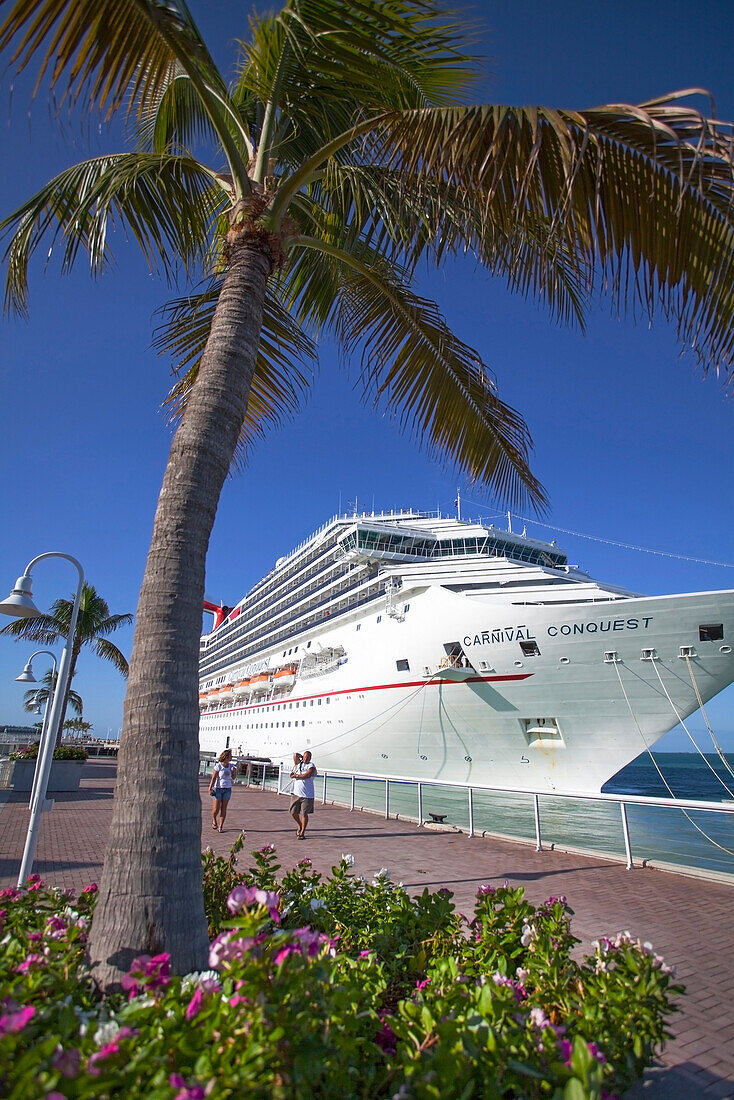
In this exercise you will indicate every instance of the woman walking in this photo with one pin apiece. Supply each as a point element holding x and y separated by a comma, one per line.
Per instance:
<point>220,787</point>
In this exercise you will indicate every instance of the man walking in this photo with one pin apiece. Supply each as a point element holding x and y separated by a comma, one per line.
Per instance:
<point>303,793</point>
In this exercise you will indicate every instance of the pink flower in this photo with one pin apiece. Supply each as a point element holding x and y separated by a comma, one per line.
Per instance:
<point>66,1061</point>
<point>147,972</point>
<point>424,984</point>
<point>243,897</point>
<point>29,962</point>
<point>386,1038</point>
<point>109,1049</point>
<point>91,889</point>
<point>16,1021</point>
<point>566,1049</point>
<point>10,892</point>
<point>194,1006</point>
<point>186,1092</point>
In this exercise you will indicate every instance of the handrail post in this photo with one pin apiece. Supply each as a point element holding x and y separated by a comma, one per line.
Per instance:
<point>323,792</point>
<point>626,831</point>
<point>538,837</point>
<point>387,798</point>
<point>420,803</point>
<point>351,803</point>
<point>471,811</point>
<point>280,773</point>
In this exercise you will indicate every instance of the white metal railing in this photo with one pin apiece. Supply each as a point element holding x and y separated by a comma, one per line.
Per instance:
<point>622,800</point>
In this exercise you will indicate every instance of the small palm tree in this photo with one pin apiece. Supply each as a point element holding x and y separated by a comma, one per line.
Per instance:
<point>94,624</point>
<point>36,697</point>
<point>309,192</point>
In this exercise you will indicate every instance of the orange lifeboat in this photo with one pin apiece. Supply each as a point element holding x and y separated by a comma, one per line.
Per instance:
<point>285,677</point>
<point>241,688</point>
<point>260,682</point>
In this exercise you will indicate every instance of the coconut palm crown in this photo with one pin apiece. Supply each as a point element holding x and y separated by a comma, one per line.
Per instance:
<point>93,626</point>
<point>36,697</point>
<point>306,193</point>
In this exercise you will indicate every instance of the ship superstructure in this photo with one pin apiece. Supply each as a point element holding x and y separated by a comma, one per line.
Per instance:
<point>412,645</point>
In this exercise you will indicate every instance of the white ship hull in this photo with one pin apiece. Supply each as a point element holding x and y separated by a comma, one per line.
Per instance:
<point>551,694</point>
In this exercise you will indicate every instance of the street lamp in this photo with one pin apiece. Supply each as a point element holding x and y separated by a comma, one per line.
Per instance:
<point>27,677</point>
<point>20,604</point>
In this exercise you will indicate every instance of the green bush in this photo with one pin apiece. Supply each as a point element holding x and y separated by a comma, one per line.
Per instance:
<point>61,752</point>
<point>329,987</point>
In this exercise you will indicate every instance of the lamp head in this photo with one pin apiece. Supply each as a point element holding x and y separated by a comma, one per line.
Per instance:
<point>19,603</point>
<point>26,676</point>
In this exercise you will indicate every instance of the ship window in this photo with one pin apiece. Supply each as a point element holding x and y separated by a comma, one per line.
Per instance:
<point>714,632</point>
<point>530,649</point>
<point>379,618</point>
<point>308,646</point>
<point>290,706</point>
<point>359,626</point>
<point>311,703</point>
<point>402,665</point>
<point>328,700</point>
<point>319,702</point>
<point>406,608</point>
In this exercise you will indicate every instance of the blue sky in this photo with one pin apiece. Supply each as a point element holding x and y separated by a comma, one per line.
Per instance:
<point>631,443</point>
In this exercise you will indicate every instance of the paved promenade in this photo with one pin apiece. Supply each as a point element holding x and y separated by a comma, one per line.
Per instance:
<point>688,920</point>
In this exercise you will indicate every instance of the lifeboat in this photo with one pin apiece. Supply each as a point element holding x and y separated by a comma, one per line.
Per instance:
<point>241,688</point>
<point>203,700</point>
<point>260,683</point>
<point>226,693</point>
<point>284,677</point>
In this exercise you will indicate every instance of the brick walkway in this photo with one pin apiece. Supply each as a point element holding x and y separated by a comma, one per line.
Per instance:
<point>688,920</point>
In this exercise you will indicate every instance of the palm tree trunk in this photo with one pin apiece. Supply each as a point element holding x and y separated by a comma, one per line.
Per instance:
<point>150,897</point>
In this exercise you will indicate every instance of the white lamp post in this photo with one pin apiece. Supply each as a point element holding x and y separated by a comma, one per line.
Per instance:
<point>27,677</point>
<point>20,604</point>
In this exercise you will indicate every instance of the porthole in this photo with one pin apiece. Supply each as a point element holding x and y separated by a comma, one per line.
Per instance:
<point>383,755</point>
<point>564,660</point>
<point>517,664</point>
<point>724,649</point>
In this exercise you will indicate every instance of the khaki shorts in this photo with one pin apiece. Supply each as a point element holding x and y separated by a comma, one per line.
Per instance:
<point>301,805</point>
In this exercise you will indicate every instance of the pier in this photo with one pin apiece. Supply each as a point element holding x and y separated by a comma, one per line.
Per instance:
<point>687,919</point>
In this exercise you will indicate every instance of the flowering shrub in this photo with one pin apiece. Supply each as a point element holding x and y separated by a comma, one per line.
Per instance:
<point>61,752</point>
<point>329,987</point>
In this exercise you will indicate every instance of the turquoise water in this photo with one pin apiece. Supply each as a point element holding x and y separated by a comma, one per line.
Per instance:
<point>658,835</point>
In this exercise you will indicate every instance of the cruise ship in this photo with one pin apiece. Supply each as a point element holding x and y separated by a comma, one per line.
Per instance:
<point>424,647</point>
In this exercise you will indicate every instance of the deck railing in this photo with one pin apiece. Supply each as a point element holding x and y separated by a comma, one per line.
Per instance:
<point>257,775</point>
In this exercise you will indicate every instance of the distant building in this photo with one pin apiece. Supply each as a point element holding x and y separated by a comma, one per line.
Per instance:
<point>11,737</point>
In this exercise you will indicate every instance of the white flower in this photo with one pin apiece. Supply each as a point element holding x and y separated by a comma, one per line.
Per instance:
<point>382,875</point>
<point>348,859</point>
<point>317,903</point>
<point>209,979</point>
<point>106,1033</point>
<point>527,935</point>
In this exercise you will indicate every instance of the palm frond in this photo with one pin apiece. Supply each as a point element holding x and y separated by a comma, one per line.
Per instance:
<point>318,65</point>
<point>413,363</point>
<point>406,221</point>
<point>39,628</point>
<point>107,49</point>
<point>109,652</point>
<point>644,196</point>
<point>283,366</point>
<point>168,203</point>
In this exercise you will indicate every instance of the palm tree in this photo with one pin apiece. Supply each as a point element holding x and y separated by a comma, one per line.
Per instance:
<point>94,624</point>
<point>36,697</point>
<point>307,193</point>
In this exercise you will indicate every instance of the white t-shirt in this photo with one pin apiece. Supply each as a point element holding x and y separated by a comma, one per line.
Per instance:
<point>303,788</point>
<point>223,773</point>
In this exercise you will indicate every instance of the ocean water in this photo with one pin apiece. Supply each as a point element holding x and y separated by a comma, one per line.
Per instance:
<point>693,839</point>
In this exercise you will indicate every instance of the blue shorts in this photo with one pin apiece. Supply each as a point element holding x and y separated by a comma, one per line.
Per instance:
<point>222,794</point>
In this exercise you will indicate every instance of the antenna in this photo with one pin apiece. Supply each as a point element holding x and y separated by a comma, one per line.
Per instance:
<point>457,502</point>
<point>509,523</point>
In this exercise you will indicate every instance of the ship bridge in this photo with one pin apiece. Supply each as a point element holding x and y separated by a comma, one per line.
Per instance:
<point>366,541</point>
